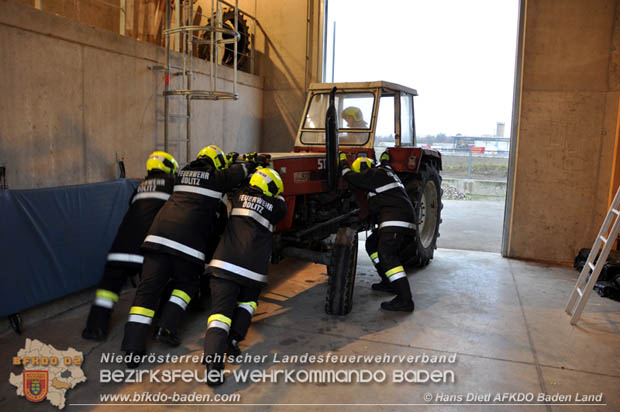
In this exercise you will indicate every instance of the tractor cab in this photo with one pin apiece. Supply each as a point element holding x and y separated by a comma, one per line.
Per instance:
<point>372,116</point>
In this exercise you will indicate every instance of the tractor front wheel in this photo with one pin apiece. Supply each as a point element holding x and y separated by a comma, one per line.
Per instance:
<point>341,272</point>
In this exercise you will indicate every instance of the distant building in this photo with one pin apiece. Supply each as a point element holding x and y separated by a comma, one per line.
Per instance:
<point>500,129</point>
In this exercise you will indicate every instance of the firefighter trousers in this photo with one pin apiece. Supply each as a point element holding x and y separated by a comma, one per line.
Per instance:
<point>156,271</point>
<point>232,308</point>
<point>384,249</point>
<point>107,294</point>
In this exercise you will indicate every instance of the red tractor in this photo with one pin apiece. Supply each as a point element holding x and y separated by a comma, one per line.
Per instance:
<point>324,215</point>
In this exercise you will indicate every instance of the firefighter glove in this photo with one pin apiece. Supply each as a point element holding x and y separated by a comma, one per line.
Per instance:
<point>231,157</point>
<point>263,160</point>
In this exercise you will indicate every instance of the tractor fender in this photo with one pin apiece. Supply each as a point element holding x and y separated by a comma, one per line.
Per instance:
<point>410,159</point>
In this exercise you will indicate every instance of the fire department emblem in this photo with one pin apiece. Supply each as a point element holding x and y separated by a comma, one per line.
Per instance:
<point>35,385</point>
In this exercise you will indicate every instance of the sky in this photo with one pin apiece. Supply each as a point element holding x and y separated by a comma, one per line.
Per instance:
<point>458,54</point>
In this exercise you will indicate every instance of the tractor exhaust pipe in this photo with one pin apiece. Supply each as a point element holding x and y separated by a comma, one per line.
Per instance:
<point>331,141</point>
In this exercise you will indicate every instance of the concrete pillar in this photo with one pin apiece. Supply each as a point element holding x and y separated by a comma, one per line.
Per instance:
<point>569,107</point>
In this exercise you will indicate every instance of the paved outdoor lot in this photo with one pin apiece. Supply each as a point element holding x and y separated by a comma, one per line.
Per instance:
<point>472,225</point>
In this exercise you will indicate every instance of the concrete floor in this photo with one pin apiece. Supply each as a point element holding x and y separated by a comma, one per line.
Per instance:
<point>504,319</point>
<point>472,225</point>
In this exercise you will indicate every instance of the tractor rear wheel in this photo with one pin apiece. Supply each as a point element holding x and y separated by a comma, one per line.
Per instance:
<point>341,272</point>
<point>425,193</point>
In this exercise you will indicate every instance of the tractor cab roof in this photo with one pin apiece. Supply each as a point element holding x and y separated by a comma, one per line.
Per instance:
<point>379,84</point>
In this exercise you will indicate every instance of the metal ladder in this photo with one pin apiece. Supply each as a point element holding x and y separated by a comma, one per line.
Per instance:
<point>591,271</point>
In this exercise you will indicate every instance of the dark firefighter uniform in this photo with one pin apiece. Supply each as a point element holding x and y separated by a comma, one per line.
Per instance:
<point>203,294</point>
<point>125,258</point>
<point>176,246</point>
<point>240,263</point>
<point>391,207</point>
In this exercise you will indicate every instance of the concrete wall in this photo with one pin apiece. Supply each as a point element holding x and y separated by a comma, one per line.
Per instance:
<point>101,14</point>
<point>75,99</point>
<point>567,122</point>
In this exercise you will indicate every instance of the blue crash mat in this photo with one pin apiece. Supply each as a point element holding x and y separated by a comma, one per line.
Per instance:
<point>54,241</point>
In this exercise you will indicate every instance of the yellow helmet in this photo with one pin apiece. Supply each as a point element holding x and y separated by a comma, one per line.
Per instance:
<point>385,157</point>
<point>162,161</point>
<point>267,180</point>
<point>354,112</point>
<point>217,156</point>
<point>361,163</point>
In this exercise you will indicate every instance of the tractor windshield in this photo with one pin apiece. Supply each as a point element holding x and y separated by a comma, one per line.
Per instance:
<point>354,110</point>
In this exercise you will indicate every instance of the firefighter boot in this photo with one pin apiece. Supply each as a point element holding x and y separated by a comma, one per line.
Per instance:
<point>403,302</point>
<point>241,321</point>
<point>383,286</point>
<point>233,347</point>
<point>97,323</point>
<point>167,337</point>
<point>134,343</point>
<point>171,317</point>
<point>133,359</point>
<point>215,374</point>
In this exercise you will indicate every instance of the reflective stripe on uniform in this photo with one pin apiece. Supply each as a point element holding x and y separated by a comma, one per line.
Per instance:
<point>182,295</point>
<point>398,223</point>
<point>219,321</point>
<point>389,186</point>
<point>198,190</point>
<point>395,273</point>
<point>151,195</point>
<point>180,298</point>
<point>105,298</point>
<point>140,319</point>
<point>175,245</point>
<point>178,301</point>
<point>142,315</point>
<point>125,257</point>
<point>249,306</point>
<point>104,303</point>
<point>106,294</point>
<point>375,257</point>
<point>345,171</point>
<point>139,310</point>
<point>254,215</point>
<point>238,270</point>
<point>397,276</point>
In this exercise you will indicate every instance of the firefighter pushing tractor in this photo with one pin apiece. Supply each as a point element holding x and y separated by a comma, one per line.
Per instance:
<point>354,168</point>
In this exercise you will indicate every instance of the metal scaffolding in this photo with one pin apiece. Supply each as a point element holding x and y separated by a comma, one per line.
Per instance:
<point>183,38</point>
